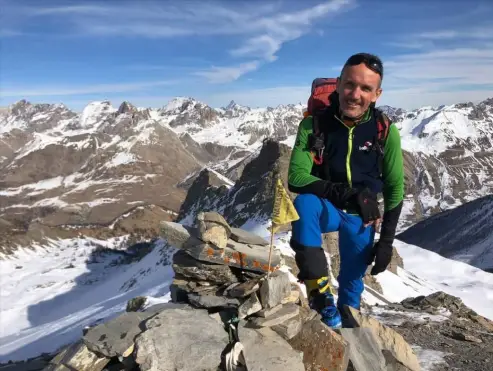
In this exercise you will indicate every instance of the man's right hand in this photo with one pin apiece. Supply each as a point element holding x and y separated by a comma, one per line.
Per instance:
<point>367,204</point>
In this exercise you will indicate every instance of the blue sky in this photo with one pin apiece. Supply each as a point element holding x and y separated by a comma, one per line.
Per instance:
<point>257,53</point>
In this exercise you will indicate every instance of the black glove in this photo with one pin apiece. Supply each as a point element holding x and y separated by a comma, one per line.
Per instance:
<point>367,205</point>
<point>382,251</point>
<point>339,194</point>
<point>382,254</point>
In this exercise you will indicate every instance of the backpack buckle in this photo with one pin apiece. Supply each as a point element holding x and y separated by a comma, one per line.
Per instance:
<point>316,144</point>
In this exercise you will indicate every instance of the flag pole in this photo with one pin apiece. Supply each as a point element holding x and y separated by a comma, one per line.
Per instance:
<point>271,245</point>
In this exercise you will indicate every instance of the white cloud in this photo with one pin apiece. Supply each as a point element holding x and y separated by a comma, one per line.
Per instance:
<point>274,30</point>
<point>92,89</point>
<point>474,33</point>
<point>227,74</point>
<point>263,28</point>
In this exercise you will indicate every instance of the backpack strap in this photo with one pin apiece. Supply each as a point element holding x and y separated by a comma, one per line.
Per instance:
<point>316,141</point>
<point>383,127</point>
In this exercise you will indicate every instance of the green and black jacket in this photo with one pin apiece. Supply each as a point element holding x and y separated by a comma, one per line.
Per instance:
<point>350,158</point>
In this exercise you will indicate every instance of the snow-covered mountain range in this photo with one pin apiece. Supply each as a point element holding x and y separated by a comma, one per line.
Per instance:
<point>79,188</point>
<point>64,170</point>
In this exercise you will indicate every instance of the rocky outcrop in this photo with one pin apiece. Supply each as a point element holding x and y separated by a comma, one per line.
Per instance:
<point>252,193</point>
<point>229,310</point>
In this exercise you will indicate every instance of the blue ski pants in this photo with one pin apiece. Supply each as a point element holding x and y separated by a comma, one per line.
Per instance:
<point>317,216</point>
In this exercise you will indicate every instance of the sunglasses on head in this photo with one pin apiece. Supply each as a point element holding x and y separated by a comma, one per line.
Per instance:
<point>371,62</point>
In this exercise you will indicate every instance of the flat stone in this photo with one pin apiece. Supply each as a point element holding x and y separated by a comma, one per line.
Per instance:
<point>246,237</point>
<point>212,301</point>
<point>275,289</point>
<point>77,357</point>
<point>176,234</point>
<point>323,348</point>
<point>387,338</point>
<point>243,289</point>
<point>214,234</point>
<point>287,312</point>
<point>289,328</point>
<point>269,311</point>
<point>188,266</point>
<point>294,297</point>
<point>235,254</point>
<point>265,350</point>
<point>113,338</point>
<point>180,339</point>
<point>250,306</point>
<point>364,352</point>
<point>213,217</point>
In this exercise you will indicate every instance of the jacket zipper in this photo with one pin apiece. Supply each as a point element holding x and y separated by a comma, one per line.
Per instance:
<point>348,157</point>
<point>349,151</point>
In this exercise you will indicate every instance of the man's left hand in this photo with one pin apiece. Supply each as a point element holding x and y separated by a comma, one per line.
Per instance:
<point>382,254</point>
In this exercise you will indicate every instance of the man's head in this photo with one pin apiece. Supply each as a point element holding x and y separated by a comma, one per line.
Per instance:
<point>359,84</point>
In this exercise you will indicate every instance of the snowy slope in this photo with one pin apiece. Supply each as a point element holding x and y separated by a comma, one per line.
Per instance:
<point>49,295</point>
<point>464,233</point>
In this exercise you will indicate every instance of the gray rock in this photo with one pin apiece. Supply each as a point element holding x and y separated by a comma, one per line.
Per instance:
<point>364,352</point>
<point>176,234</point>
<point>180,339</point>
<point>212,301</point>
<point>274,289</point>
<point>323,348</point>
<point>187,266</point>
<point>243,289</point>
<point>133,305</point>
<point>213,217</point>
<point>391,363</point>
<point>213,228</point>
<point>235,254</point>
<point>287,312</point>
<point>116,336</point>
<point>250,306</point>
<point>265,350</point>
<point>179,291</point>
<point>289,328</point>
<point>77,357</point>
<point>269,311</point>
<point>215,234</point>
<point>242,236</point>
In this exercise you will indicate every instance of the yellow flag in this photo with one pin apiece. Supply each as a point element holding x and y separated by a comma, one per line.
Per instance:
<point>284,211</point>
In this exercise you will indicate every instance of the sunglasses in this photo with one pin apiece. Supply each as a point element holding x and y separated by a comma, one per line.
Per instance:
<point>371,62</point>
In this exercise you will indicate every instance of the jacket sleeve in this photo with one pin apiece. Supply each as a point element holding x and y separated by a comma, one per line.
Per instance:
<point>393,188</point>
<point>300,179</point>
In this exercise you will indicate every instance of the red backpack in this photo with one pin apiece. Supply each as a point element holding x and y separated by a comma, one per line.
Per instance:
<point>322,92</point>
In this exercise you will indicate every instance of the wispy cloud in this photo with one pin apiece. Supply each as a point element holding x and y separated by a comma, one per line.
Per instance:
<point>439,76</point>
<point>9,33</point>
<point>227,74</point>
<point>92,89</point>
<point>262,28</point>
<point>475,33</point>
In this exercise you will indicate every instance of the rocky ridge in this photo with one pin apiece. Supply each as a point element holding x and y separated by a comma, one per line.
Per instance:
<point>229,313</point>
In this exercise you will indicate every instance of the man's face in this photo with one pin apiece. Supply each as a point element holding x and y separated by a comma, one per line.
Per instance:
<point>358,87</point>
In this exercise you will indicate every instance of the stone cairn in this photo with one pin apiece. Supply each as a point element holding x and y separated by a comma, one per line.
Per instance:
<point>225,268</point>
<point>229,311</point>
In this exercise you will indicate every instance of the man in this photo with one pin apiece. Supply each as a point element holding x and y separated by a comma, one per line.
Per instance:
<point>341,193</point>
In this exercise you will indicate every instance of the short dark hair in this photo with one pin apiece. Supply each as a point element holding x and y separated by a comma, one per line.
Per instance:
<point>371,61</point>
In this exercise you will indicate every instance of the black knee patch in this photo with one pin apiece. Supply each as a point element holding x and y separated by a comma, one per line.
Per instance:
<point>311,261</point>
